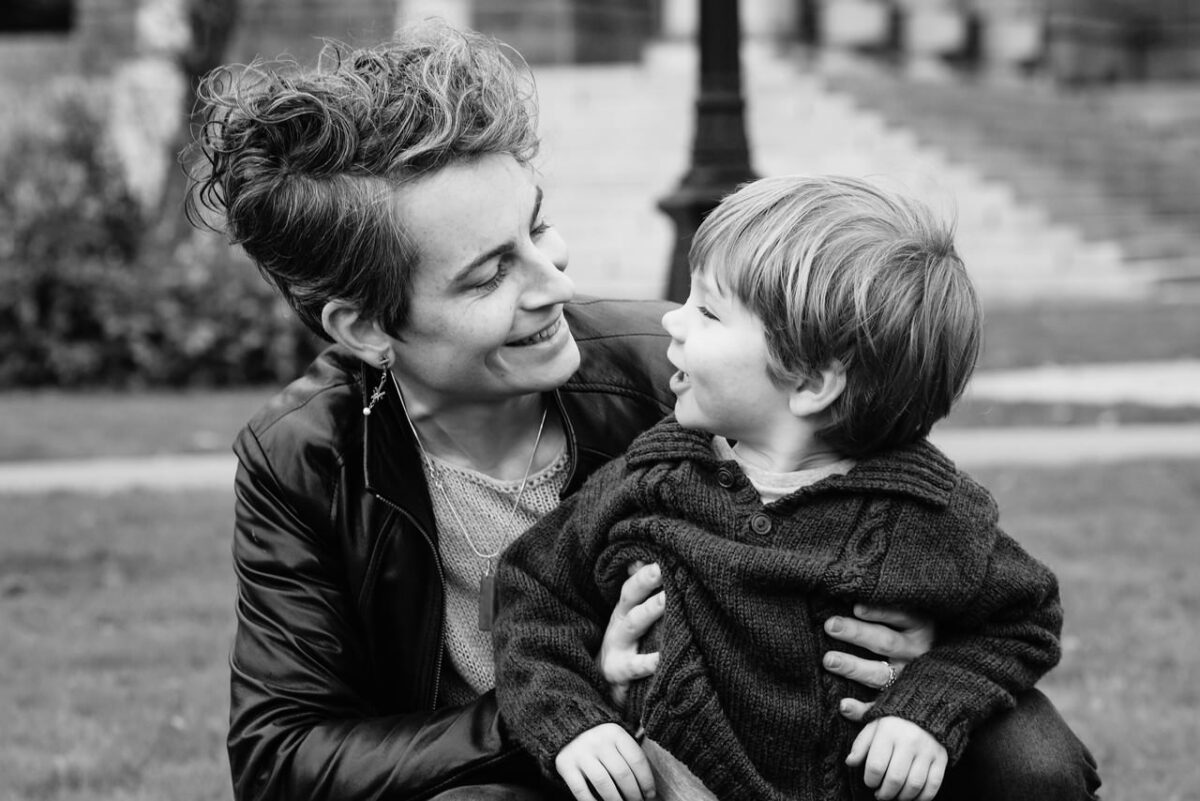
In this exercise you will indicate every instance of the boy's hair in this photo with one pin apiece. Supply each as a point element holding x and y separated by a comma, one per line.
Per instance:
<point>302,165</point>
<point>840,271</point>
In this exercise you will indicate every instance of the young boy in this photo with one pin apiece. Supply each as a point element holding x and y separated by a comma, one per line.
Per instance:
<point>829,326</point>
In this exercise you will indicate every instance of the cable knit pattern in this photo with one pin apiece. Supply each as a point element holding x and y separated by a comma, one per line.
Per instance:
<point>740,696</point>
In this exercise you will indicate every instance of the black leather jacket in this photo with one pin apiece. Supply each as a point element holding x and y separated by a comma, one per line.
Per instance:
<point>337,660</point>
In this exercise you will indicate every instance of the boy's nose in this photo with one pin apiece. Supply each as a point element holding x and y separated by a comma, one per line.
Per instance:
<point>670,322</point>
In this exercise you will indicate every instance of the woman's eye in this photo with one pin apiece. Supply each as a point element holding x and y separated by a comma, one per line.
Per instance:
<point>539,229</point>
<point>497,277</point>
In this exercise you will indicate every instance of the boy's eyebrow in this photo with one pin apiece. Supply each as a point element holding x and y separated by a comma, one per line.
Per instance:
<point>503,247</point>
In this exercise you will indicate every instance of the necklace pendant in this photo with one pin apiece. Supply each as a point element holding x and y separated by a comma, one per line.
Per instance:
<point>489,602</point>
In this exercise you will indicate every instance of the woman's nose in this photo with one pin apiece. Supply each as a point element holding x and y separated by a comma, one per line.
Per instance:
<point>550,283</point>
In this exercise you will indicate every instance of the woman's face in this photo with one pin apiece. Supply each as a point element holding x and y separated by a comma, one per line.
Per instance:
<point>486,320</point>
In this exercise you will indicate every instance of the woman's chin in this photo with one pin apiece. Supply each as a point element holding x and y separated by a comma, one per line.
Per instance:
<point>545,365</point>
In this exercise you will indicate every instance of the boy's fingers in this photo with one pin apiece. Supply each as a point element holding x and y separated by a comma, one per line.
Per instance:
<point>894,780</point>
<point>601,782</point>
<point>918,774</point>
<point>876,765</point>
<point>933,783</point>
<point>577,785</point>
<point>639,767</point>
<point>858,750</point>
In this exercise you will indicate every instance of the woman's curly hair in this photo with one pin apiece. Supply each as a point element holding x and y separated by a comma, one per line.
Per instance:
<point>299,167</point>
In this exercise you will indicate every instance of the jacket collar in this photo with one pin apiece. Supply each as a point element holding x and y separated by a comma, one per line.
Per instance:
<point>918,470</point>
<point>392,466</point>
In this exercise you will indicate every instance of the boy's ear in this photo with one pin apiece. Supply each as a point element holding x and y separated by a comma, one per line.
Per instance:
<point>364,338</point>
<point>814,394</point>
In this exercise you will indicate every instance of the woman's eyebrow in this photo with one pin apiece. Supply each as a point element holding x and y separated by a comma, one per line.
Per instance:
<point>503,247</point>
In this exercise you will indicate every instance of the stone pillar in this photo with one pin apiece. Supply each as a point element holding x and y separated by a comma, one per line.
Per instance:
<point>847,26</point>
<point>1013,36</point>
<point>930,31</point>
<point>459,13</point>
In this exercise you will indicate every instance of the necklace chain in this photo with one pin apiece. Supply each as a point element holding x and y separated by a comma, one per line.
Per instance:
<point>437,479</point>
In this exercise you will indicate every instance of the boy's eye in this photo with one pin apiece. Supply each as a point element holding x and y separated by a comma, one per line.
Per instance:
<point>705,312</point>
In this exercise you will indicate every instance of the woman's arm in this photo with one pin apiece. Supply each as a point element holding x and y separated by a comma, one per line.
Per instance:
<point>307,719</point>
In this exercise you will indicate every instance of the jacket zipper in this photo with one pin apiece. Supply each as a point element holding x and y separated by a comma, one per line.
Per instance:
<point>437,664</point>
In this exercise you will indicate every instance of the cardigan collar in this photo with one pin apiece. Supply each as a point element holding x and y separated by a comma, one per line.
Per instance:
<point>919,469</point>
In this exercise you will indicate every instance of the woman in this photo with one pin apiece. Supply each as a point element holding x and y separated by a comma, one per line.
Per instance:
<point>391,199</point>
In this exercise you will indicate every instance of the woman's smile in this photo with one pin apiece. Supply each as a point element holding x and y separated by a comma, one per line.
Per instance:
<point>540,336</point>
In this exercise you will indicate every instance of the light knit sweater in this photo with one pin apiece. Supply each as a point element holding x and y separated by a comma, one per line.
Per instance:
<point>740,696</point>
<point>463,497</point>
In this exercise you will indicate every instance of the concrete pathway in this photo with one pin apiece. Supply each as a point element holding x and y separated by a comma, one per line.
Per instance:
<point>1174,383</point>
<point>1161,384</point>
<point>971,448</point>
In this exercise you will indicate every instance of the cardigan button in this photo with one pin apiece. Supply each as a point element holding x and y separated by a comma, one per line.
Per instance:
<point>725,477</point>
<point>760,524</point>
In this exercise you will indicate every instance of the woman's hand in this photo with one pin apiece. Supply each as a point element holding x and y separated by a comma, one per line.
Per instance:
<point>897,637</point>
<point>640,606</point>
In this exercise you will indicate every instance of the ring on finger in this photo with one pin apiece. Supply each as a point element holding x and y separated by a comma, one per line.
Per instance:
<point>892,674</point>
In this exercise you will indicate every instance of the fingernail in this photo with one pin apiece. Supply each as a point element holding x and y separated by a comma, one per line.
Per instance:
<point>844,706</point>
<point>832,662</point>
<point>653,571</point>
<point>834,625</point>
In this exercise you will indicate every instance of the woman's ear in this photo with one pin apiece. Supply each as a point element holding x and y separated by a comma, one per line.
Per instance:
<point>362,337</point>
<point>815,393</point>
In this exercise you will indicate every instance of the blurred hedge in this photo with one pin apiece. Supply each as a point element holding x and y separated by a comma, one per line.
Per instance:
<point>83,303</point>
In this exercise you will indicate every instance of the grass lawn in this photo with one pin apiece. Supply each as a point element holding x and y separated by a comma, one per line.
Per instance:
<point>47,425</point>
<point>117,613</point>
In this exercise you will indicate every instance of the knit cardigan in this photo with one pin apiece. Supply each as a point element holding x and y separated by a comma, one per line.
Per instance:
<point>740,695</point>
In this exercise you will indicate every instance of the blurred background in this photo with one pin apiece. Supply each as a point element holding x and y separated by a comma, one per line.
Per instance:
<point>1063,134</point>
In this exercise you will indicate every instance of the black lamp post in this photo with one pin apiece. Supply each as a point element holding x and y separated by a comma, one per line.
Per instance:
<point>720,154</point>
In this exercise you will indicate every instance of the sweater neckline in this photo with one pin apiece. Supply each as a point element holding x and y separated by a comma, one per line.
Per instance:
<point>918,470</point>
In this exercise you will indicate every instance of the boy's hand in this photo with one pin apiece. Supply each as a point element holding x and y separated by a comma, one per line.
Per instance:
<point>902,760</point>
<point>607,759</point>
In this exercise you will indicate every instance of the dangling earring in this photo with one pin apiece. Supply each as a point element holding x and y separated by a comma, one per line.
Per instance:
<point>378,394</point>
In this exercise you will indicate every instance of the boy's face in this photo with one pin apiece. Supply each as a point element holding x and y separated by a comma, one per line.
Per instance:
<point>720,350</point>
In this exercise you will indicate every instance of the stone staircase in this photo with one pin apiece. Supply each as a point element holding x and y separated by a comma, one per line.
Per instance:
<point>617,139</point>
<point>1104,174</point>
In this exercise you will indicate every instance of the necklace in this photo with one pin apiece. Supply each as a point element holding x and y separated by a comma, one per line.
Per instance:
<point>489,602</point>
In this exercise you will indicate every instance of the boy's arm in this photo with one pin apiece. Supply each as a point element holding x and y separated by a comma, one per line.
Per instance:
<point>999,643</point>
<point>550,625</point>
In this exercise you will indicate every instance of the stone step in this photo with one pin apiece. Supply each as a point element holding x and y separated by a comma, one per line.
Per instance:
<point>617,140</point>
